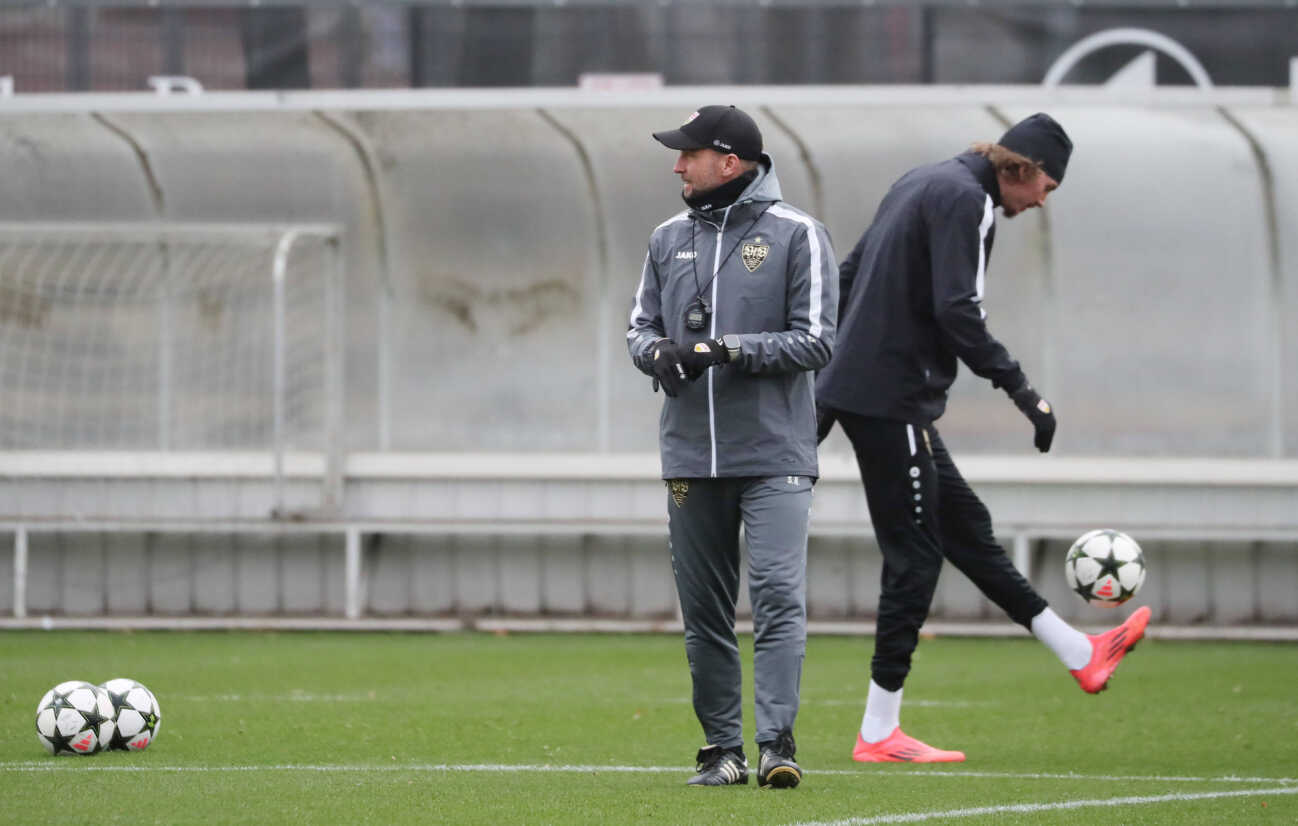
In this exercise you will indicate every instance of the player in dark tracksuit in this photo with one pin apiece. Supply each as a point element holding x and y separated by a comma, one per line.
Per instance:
<point>911,294</point>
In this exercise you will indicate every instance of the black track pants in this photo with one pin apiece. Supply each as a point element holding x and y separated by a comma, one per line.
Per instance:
<point>923,511</point>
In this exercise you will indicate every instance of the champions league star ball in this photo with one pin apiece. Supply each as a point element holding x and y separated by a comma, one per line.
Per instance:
<point>75,717</point>
<point>1105,567</point>
<point>136,714</point>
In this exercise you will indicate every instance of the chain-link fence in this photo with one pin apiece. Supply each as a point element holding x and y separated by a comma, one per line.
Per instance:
<point>89,47</point>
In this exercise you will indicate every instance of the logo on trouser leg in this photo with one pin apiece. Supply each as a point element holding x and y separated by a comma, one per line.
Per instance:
<point>919,497</point>
<point>680,489</point>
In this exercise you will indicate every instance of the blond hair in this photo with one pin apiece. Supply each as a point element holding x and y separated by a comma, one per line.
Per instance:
<point>1017,168</point>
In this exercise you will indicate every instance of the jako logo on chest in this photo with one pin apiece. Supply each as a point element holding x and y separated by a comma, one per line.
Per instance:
<point>686,255</point>
<point>753,253</point>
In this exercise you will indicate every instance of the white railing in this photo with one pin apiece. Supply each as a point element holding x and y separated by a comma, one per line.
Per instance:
<point>1031,498</point>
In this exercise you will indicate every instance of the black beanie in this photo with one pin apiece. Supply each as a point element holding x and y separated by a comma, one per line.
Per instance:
<point>1041,138</point>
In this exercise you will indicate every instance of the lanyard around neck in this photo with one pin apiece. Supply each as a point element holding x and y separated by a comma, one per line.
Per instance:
<point>694,258</point>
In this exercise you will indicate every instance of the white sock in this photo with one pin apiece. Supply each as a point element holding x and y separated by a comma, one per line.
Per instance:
<point>1072,647</point>
<point>882,713</point>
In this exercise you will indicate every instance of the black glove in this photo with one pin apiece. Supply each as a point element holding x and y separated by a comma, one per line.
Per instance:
<point>824,423</point>
<point>703,355</point>
<point>1039,412</point>
<point>668,370</point>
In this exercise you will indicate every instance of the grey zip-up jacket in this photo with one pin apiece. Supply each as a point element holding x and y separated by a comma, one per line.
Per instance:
<point>768,272</point>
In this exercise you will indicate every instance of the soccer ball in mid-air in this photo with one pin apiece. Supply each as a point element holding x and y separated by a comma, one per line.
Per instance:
<point>1105,567</point>
<point>75,717</point>
<point>136,714</point>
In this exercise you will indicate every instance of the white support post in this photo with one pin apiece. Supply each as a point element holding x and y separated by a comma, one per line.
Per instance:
<point>352,575</point>
<point>20,572</point>
<point>166,349</point>
<point>279,270</point>
<point>1023,554</point>
<point>1293,80</point>
<point>386,332</point>
<point>335,359</point>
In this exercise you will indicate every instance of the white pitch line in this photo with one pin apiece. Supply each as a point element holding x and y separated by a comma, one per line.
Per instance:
<point>1031,808</point>
<point>291,697</point>
<point>57,764</point>
<point>909,703</point>
<point>366,697</point>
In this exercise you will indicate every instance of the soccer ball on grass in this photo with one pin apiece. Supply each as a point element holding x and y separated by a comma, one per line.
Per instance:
<point>75,717</point>
<point>136,714</point>
<point>1105,567</point>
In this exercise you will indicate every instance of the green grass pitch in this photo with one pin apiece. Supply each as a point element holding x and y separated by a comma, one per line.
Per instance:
<point>354,728</point>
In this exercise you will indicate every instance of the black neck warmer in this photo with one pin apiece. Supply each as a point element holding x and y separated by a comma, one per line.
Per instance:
<point>722,196</point>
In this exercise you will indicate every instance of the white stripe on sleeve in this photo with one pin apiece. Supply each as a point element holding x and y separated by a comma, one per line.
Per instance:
<point>813,244</point>
<point>638,309</point>
<point>983,228</point>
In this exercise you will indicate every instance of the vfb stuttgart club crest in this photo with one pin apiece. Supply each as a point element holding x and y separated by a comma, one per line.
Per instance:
<point>680,489</point>
<point>753,253</point>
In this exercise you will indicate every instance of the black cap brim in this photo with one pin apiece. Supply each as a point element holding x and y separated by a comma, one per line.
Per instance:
<point>676,139</point>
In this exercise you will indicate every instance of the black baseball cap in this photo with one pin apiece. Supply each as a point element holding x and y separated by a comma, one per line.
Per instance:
<point>724,128</point>
<point>1041,138</point>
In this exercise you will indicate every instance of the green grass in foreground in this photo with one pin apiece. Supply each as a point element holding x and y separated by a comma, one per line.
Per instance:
<point>346,728</point>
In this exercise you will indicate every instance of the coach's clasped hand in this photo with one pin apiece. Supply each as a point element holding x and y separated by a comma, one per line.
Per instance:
<point>675,365</point>
<point>1039,412</point>
<point>668,370</point>
<point>703,355</point>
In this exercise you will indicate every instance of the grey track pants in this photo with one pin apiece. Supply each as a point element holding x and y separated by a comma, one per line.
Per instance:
<point>704,516</point>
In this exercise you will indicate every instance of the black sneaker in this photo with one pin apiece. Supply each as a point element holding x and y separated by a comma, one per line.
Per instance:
<point>776,769</point>
<point>720,767</point>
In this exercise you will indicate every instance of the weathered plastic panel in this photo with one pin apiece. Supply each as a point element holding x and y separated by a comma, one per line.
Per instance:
<point>494,277</point>
<point>1220,583</point>
<point>516,239</point>
<point>1276,133</point>
<point>276,168</point>
<point>1159,344</point>
<point>69,167</point>
<point>552,575</point>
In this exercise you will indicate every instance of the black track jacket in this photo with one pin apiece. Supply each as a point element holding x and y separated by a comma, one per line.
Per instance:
<point>910,297</point>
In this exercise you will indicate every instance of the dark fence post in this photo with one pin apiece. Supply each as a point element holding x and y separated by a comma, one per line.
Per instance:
<point>275,48</point>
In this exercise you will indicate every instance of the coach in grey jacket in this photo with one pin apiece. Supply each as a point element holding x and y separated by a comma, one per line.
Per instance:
<point>735,310</point>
